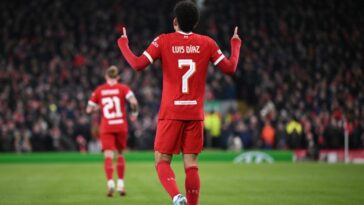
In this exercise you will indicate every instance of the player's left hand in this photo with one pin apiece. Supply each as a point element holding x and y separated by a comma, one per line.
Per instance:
<point>235,36</point>
<point>124,33</point>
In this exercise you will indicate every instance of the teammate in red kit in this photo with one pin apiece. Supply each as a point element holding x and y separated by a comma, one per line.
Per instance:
<point>185,57</point>
<point>110,99</point>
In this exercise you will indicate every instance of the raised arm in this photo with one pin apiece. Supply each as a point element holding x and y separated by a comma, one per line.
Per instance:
<point>136,62</point>
<point>228,66</point>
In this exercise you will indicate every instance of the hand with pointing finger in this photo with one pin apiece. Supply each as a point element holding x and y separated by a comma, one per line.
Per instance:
<point>124,33</point>
<point>235,36</point>
<point>123,38</point>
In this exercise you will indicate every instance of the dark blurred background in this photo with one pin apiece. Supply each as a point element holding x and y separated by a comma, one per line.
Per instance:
<point>299,81</point>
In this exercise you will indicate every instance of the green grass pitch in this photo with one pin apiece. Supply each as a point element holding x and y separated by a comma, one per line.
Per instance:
<point>222,183</point>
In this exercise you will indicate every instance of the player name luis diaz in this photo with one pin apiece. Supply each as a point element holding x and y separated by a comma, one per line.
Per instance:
<point>186,49</point>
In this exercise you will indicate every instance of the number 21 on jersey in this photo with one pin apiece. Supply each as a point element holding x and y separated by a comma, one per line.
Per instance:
<point>109,103</point>
<point>192,69</point>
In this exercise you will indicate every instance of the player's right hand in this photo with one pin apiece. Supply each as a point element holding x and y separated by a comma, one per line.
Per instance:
<point>235,36</point>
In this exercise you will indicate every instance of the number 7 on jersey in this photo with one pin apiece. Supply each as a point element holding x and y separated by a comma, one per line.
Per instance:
<point>192,68</point>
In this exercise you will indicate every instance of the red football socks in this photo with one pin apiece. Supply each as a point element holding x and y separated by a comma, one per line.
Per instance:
<point>120,167</point>
<point>167,178</point>
<point>108,168</point>
<point>192,185</point>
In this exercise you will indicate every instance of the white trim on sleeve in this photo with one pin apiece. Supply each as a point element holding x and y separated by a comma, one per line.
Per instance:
<point>129,94</point>
<point>91,103</point>
<point>219,59</point>
<point>148,56</point>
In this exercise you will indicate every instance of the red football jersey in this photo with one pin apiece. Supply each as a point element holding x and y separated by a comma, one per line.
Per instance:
<point>185,58</point>
<point>111,100</point>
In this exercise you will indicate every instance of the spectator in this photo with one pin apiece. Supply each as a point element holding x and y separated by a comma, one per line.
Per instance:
<point>213,127</point>
<point>245,134</point>
<point>293,64</point>
<point>268,135</point>
<point>294,134</point>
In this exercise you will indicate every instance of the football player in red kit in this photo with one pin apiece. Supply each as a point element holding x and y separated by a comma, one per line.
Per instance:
<point>110,99</point>
<point>185,57</point>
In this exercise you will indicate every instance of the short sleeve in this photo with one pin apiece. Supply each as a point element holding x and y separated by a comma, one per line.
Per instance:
<point>94,99</point>
<point>216,54</point>
<point>153,52</point>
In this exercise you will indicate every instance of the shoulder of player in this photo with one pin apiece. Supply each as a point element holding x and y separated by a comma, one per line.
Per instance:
<point>123,87</point>
<point>96,91</point>
<point>103,86</point>
<point>99,88</point>
<point>206,38</point>
<point>160,37</point>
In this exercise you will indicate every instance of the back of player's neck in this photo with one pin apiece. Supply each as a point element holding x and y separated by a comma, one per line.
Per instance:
<point>111,83</point>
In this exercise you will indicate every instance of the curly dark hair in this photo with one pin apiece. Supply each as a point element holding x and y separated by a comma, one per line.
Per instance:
<point>187,15</point>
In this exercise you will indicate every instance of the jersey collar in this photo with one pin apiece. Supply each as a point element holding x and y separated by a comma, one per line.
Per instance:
<point>184,33</point>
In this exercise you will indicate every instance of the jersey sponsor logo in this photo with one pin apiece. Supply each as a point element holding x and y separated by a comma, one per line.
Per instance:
<point>110,92</point>
<point>186,49</point>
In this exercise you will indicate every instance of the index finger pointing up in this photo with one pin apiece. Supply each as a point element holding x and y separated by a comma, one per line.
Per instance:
<point>124,31</point>
<point>236,30</point>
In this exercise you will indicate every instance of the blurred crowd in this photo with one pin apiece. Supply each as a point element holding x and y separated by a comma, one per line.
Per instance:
<point>300,72</point>
<point>301,69</point>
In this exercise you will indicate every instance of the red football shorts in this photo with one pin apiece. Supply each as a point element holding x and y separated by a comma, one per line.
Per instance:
<point>114,140</point>
<point>175,136</point>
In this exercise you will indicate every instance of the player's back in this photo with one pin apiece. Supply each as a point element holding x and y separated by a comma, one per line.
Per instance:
<point>111,99</point>
<point>185,58</point>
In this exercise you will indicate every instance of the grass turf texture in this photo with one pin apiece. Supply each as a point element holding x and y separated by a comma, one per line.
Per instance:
<point>222,183</point>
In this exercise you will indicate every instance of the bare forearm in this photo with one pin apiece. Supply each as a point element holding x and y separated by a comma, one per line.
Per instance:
<point>134,109</point>
<point>91,109</point>
<point>134,106</point>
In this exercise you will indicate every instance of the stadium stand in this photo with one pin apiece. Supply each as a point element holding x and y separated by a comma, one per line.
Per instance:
<point>301,70</point>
